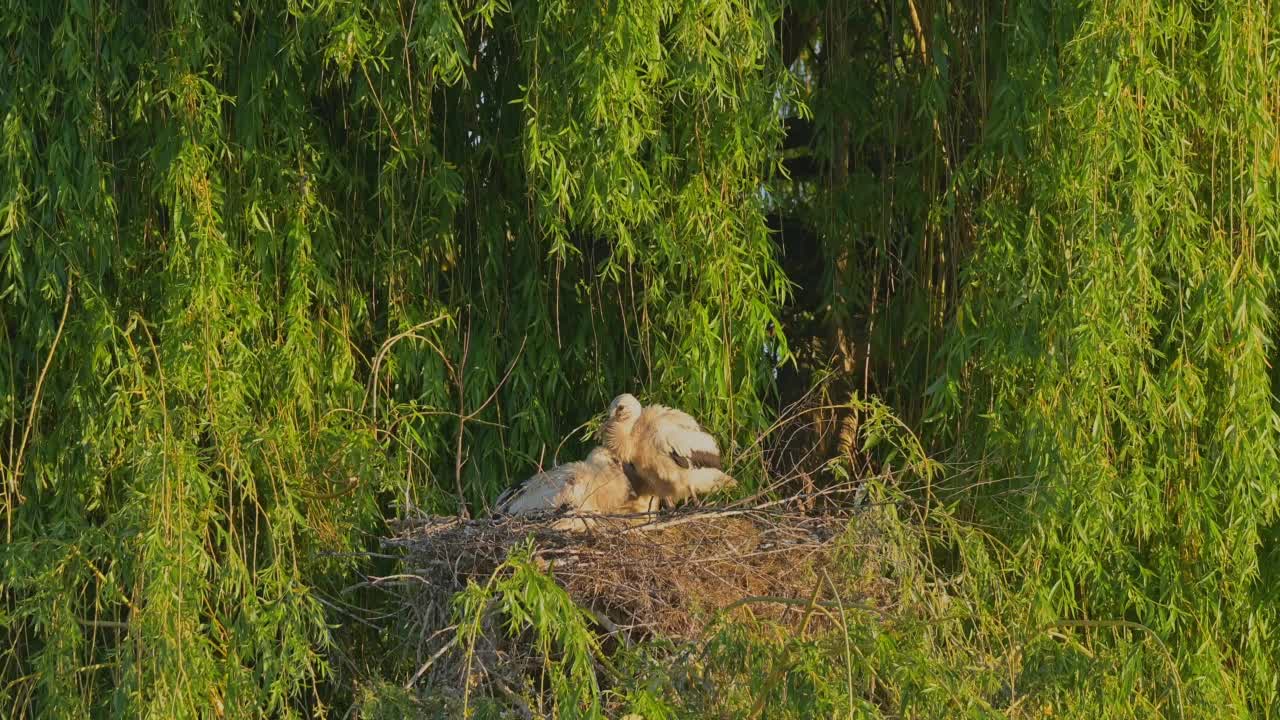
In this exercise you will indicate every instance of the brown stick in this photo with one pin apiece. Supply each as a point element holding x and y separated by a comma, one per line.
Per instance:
<point>16,470</point>
<point>431,661</point>
<point>462,421</point>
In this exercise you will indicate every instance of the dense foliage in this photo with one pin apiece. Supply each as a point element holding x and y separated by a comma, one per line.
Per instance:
<point>1137,238</point>
<point>273,272</point>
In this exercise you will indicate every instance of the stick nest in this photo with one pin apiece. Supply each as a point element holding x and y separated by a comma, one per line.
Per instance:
<point>641,575</point>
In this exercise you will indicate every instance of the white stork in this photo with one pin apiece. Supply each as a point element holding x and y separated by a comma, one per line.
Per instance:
<point>598,485</point>
<point>674,458</point>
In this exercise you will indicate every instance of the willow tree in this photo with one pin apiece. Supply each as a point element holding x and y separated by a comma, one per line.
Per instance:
<point>1049,234</point>
<point>274,271</point>
<point>1118,328</point>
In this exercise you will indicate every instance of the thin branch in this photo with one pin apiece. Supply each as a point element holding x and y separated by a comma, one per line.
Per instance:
<point>431,661</point>
<point>461,381</point>
<point>16,470</point>
<point>1131,625</point>
<point>104,624</point>
<point>386,347</point>
<point>505,377</point>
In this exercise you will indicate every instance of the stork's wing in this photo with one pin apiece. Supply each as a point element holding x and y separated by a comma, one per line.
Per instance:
<point>544,491</point>
<point>505,496</point>
<point>679,436</point>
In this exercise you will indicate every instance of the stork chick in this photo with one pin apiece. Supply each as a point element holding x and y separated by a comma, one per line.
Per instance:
<point>598,485</point>
<point>673,456</point>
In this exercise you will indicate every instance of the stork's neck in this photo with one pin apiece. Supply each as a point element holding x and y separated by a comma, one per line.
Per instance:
<point>617,437</point>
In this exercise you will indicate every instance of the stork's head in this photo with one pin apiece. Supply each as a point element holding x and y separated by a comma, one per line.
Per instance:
<point>616,430</point>
<point>624,407</point>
